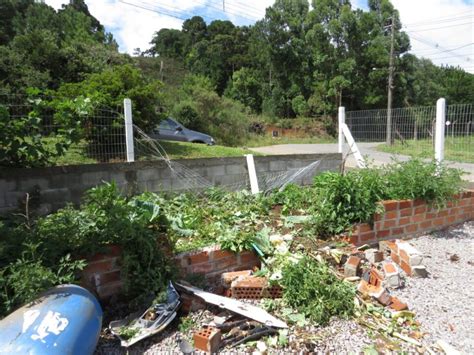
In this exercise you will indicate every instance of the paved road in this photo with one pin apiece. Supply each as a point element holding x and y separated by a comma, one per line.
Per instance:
<point>366,149</point>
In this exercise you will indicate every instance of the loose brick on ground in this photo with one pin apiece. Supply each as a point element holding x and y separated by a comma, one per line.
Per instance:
<point>351,266</point>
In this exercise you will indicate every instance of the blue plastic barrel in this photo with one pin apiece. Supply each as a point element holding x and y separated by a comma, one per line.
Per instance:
<point>64,320</point>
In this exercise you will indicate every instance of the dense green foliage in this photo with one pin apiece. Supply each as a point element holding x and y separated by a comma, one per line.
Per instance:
<point>200,108</point>
<point>337,201</point>
<point>315,291</point>
<point>35,257</point>
<point>42,48</point>
<point>38,253</point>
<point>22,143</point>
<point>298,61</point>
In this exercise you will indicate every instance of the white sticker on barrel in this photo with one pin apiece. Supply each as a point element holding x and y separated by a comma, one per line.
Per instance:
<point>52,323</point>
<point>29,318</point>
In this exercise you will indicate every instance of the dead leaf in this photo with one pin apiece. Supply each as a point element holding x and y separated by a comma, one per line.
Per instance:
<point>451,327</point>
<point>454,258</point>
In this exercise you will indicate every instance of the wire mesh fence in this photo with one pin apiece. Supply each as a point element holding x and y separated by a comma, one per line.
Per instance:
<point>44,131</point>
<point>412,131</point>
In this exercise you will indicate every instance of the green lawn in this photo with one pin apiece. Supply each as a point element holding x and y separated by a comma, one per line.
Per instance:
<point>261,141</point>
<point>181,150</point>
<point>76,154</point>
<point>459,149</point>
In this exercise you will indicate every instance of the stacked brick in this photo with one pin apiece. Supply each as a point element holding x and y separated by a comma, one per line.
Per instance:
<point>212,262</point>
<point>102,274</point>
<point>407,257</point>
<point>411,217</point>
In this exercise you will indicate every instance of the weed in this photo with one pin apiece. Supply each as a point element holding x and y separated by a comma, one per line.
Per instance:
<point>315,292</point>
<point>185,324</point>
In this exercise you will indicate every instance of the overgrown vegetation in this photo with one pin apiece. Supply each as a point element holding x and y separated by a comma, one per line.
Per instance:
<point>337,201</point>
<point>38,253</point>
<point>39,258</point>
<point>313,290</point>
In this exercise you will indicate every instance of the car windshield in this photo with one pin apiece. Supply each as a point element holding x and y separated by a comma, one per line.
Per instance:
<point>168,124</point>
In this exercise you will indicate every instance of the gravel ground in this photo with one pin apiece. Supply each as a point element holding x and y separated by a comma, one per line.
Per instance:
<point>338,337</point>
<point>444,302</point>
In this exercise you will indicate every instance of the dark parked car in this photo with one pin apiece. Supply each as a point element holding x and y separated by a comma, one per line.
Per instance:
<point>170,130</point>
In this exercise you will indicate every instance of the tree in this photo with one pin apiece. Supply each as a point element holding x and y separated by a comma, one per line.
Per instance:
<point>246,87</point>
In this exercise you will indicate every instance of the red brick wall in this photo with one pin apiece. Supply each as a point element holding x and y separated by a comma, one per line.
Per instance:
<point>406,218</point>
<point>102,274</point>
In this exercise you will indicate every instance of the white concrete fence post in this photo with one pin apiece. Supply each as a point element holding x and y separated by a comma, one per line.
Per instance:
<point>252,174</point>
<point>127,110</point>
<point>341,119</point>
<point>439,130</point>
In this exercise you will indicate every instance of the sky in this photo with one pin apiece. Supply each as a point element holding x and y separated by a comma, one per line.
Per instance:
<point>441,30</point>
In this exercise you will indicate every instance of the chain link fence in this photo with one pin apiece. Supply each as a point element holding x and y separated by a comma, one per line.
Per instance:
<point>413,131</point>
<point>45,131</point>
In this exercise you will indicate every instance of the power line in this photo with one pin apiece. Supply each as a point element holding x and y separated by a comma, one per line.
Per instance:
<point>170,11</point>
<point>255,14</point>
<point>450,50</point>
<point>439,28</point>
<point>152,10</point>
<point>438,18</point>
<point>455,19</point>
<point>434,51</point>
<point>435,45</point>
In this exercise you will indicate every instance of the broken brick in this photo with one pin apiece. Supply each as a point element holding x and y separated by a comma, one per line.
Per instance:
<point>380,294</point>
<point>375,278</point>
<point>373,255</point>
<point>406,268</point>
<point>397,305</point>
<point>408,253</point>
<point>191,303</point>
<point>388,245</point>
<point>207,339</point>
<point>351,267</point>
<point>392,276</point>
<point>395,257</point>
<point>362,287</point>
<point>253,287</point>
<point>228,277</point>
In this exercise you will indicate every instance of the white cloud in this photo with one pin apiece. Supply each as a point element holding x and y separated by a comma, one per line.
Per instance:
<point>134,27</point>
<point>437,27</point>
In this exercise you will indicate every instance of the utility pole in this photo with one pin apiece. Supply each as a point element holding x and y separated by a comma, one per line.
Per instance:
<point>390,84</point>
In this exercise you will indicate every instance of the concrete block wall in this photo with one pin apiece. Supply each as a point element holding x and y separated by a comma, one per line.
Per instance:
<point>408,218</point>
<point>102,275</point>
<point>51,188</point>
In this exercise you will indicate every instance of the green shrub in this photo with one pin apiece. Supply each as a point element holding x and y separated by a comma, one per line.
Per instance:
<point>22,280</point>
<point>22,143</point>
<point>342,200</point>
<point>415,179</point>
<point>224,119</point>
<point>105,217</point>
<point>312,289</point>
